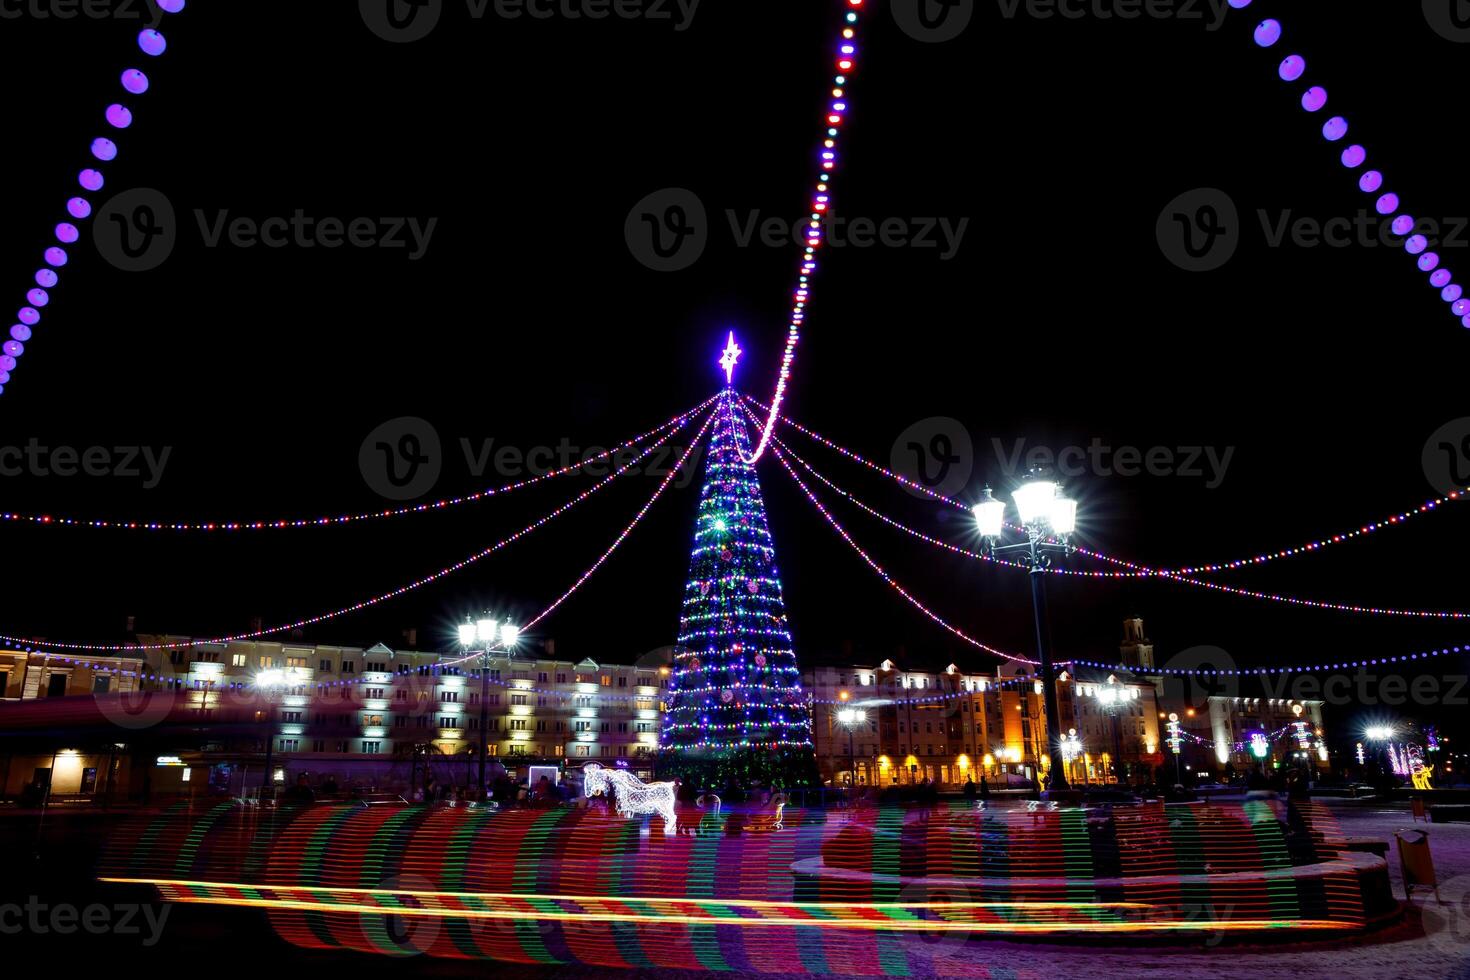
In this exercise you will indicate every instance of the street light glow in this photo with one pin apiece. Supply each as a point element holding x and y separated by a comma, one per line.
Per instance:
<point>1034,501</point>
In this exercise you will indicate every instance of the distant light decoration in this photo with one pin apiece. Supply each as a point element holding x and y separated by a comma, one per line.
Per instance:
<point>1175,739</point>
<point>53,520</point>
<point>1358,751</point>
<point>837,111</point>
<point>442,573</point>
<point>1291,69</point>
<point>1137,570</point>
<point>104,150</point>
<point>1407,658</point>
<point>1259,747</point>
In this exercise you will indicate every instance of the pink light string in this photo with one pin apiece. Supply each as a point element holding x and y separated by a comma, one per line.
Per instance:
<point>1138,570</point>
<point>1232,590</point>
<point>889,579</point>
<point>821,205</point>
<point>134,525</point>
<point>395,593</point>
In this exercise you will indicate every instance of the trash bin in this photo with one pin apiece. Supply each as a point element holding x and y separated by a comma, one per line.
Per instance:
<point>1415,861</point>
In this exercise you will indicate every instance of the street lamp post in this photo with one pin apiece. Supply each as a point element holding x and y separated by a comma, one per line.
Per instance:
<point>1112,697</point>
<point>1048,518</point>
<point>267,682</point>
<point>851,718</point>
<point>485,633</point>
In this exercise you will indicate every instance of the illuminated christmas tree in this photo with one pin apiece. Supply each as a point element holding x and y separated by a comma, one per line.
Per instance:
<point>737,711</point>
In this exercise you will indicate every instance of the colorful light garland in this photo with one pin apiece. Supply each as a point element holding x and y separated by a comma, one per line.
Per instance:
<point>51,520</point>
<point>881,573</point>
<point>1293,68</point>
<point>1139,570</point>
<point>1407,658</point>
<point>1169,576</point>
<point>78,208</point>
<point>846,63</point>
<point>395,593</point>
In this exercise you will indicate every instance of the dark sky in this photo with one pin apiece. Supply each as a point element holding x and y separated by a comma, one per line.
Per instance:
<point>1060,320</point>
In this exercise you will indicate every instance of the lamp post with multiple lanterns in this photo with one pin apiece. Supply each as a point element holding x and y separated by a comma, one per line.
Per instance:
<point>486,633</point>
<point>1048,518</point>
<point>851,719</point>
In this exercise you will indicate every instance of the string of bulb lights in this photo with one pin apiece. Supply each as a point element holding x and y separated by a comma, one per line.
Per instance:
<point>1196,583</point>
<point>395,593</point>
<point>445,503</point>
<point>821,205</point>
<point>119,116</point>
<point>1135,569</point>
<point>1293,68</point>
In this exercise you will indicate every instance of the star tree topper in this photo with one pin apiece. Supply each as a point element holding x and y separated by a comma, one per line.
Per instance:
<point>728,358</point>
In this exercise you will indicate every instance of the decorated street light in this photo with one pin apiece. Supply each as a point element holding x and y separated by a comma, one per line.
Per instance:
<point>851,719</point>
<point>269,683</point>
<point>1048,518</point>
<point>486,633</point>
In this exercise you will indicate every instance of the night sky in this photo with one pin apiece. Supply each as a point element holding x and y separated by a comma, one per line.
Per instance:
<point>1058,321</point>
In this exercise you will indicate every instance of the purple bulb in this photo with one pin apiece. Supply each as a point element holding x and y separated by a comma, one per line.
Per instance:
<point>38,297</point>
<point>7,363</point>
<point>1452,293</point>
<point>66,232</point>
<point>119,116</point>
<point>4,378</point>
<point>1416,244</point>
<point>13,348</point>
<point>45,278</point>
<point>1388,203</point>
<point>152,43</point>
<point>1402,225</point>
<point>1292,68</point>
<point>1268,32</point>
<point>1428,261</point>
<point>56,256</point>
<point>20,332</point>
<point>135,81</point>
<point>171,6</point>
<point>1461,307</point>
<point>90,179</point>
<point>1370,182</point>
<point>1354,156</point>
<point>104,149</point>
<point>1464,323</point>
<point>1335,129</point>
<point>1440,278</point>
<point>78,207</point>
<point>28,316</point>
<point>1314,98</point>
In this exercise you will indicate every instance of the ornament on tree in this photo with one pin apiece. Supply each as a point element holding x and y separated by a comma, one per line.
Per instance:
<point>704,588</point>
<point>752,586</point>
<point>760,660</point>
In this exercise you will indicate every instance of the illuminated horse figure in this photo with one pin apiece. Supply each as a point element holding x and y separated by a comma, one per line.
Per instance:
<point>631,796</point>
<point>1419,773</point>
